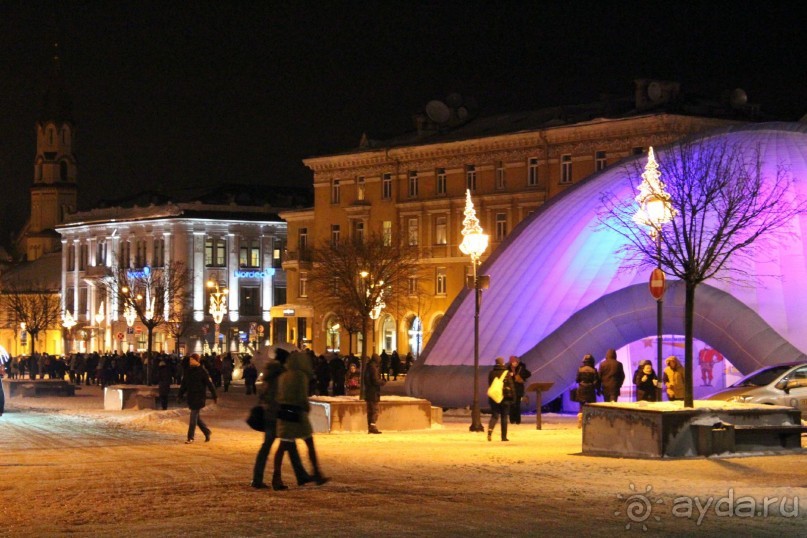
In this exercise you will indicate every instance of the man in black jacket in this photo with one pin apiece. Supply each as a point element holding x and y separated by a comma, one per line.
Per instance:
<point>520,375</point>
<point>196,382</point>
<point>612,376</point>
<point>502,372</point>
<point>372,392</point>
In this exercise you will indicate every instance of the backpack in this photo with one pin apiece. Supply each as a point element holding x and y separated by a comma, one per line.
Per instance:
<point>496,388</point>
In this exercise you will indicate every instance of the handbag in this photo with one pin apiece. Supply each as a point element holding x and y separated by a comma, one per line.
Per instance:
<point>289,413</point>
<point>257,418</point>
<point>496,388</point>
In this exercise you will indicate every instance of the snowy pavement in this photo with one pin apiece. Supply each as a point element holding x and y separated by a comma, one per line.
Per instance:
<point>67,467</point>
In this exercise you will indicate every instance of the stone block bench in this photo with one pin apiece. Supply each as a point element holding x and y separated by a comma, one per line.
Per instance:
<point>349,414</point>
<point>119,397</point>
<point>37,387</point>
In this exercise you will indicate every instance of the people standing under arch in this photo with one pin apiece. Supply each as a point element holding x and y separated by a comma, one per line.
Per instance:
<point>646,382</point>
<point>674,378</point>
<point>588,385</point>
<point>612,376</point>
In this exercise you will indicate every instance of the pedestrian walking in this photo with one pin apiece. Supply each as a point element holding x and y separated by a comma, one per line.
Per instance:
<point>196,383</point>
<point>227,367</point>
<point>500,376</point>
<point>292,418</point>
<point>372,392</point>
<point>612,376</point>
<point>250,376</point>
<point>395,365</point>
<point>268,397</point>
<point>164,377</point>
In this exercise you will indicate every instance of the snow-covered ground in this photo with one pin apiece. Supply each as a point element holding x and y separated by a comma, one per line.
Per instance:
<point>67,467</point>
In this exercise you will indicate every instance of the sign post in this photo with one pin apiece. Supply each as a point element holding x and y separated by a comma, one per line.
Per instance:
<point>658,286</point>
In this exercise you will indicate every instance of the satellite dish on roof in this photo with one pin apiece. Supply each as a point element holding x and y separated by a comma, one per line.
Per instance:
<point>738,98</point>
<point>437,111</point>
<point>454,100</point>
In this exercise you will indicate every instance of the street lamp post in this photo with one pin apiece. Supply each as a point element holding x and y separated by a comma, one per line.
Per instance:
<point>474,243</point>
<point>68,322</point>
<point>218,306</point>
<point>655,210</point>
<point>99,318</point>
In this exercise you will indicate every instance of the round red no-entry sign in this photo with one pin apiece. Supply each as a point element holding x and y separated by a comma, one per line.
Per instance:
<point>657,284</point>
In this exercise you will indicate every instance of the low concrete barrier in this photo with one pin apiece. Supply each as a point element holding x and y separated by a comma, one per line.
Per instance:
<point>349,414</point>
<point>119,397</point>
<point>37,387</point>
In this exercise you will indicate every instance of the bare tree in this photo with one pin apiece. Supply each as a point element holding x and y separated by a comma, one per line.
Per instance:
<point>351,322</point>
<point>155,295</point>
<point>356,277</point>
<point>33,304</point>
<point>722,203</point>
<point>178,325</point>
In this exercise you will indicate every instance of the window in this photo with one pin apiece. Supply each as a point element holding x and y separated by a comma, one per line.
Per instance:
<point>82,301</point>
<point>441,181</point>
<point>532,172</point>
<point>501,226</point>
<point>70,300</point>
<point>413,285</point>
<point>360,193</point>
<point>500,175</point>
<point>140,253</point>
<point>303,290</point>
<point>566,168</point>
<point>279,293</point>
<point>277,260</point>
<point>413,184</point>
<point>63,171</point>
<point>440,227</point>
<point>336,233</point>
<point>302,239</point>
<point>358,230</point>
<point>412,234</point>
<point>599,161</point>
<point>100,254</point>
<point>387,232</point>
<point>470,177</point>
<point>249,303</point>
<point>336,191</point>
<point>82,257</point>
<point>249,255</point>
<point>158,258</point>
<point>638,150</point>
<point>440,282</point>
<point>125,253</point>
<point>386,186</point>
<point>71,258</point>
<point>215,252</point>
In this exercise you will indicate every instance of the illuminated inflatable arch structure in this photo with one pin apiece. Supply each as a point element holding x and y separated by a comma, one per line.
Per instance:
<point>558,292</point>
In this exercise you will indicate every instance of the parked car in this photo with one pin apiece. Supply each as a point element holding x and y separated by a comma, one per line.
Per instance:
<point>780,384</point>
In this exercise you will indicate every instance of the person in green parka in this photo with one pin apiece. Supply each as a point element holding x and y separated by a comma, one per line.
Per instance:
<point>292,417</point>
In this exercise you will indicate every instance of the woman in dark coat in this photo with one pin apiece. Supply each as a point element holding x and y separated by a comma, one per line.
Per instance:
<point>196,383</point>
<point>588,385</point>
<point>646,382</point>
<point>508,397</point>
<point>292,419</point>
<point>373,381</point>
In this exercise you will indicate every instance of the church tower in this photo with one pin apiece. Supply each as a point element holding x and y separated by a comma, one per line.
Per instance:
<point>54,191</point>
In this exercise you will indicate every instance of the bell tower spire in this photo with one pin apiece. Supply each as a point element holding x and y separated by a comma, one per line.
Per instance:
<point>54,192</point>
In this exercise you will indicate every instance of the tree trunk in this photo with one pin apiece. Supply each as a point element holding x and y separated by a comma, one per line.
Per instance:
<point>148,353</point>
<point>363,357</point>
<point>689,316</point>
<point>32,337</point>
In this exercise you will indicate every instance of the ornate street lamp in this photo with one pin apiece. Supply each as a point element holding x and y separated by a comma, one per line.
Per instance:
<point>474,244</point>
<point>68,322</point>
<point>218,305</point>
<point>655,210</point>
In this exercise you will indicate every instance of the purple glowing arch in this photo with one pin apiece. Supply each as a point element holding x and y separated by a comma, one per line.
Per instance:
<point>558,291</point>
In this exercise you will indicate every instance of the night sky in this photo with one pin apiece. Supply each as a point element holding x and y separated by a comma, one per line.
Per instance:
<point>170,94</point>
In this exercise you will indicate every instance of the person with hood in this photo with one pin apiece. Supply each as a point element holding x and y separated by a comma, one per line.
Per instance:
<point>164,378</point>
<point>520,375</point>
<point>372,392</point>
<point>612,376</point>
<point>196,383</point>
<point>501,371</point>
<point>674,378</point>
<point>338,372</point>
<point>292,418</point>
<point>588,385</point>
<point>250,376</point>
<point>646,382</point>
<point>268,398</point>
